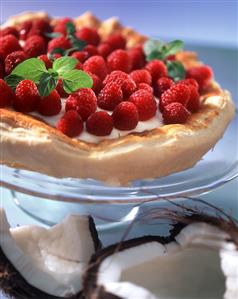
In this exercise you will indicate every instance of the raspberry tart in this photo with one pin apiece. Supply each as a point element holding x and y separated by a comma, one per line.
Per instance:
<point>89,99</point>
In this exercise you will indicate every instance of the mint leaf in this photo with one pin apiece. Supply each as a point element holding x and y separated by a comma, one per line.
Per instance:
<point>70,28</point>
<point>75,79</point>
<point>13,80</point>
<point>31,69</point>
<point>151,46</point>
<point>52,34</point>
<point>78,44</point>
<point>173,47</point>
<point>47,84</point>
<point>175,70</point>
<point>63,64</point>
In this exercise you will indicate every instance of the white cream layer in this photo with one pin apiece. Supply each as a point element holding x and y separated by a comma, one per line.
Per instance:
<point>142,126</point>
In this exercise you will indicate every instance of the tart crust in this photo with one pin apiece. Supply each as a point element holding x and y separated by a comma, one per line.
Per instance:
<point>28,143</point>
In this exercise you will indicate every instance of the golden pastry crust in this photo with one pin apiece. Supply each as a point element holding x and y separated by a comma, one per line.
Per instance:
<point>31,144</point>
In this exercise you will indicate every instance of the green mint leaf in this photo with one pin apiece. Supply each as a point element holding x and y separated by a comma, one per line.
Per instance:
<point>52,34</point>
<point>13,80</point>
<point>151,46</point>
<point>154,55</point>
<point>175,70</point>
<point>31,69</point>
<point>173,47</point>
<point>78,44</point>
<point>58,51</point>
<point>47,84</point>
<point>75,79</point>
<point>64,64</point>
<point>70,29</point>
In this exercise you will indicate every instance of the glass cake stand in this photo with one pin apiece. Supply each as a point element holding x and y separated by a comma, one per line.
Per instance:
<point>49,199</point>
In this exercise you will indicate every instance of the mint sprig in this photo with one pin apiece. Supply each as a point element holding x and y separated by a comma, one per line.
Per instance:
<point>155,49</point>
<point>63,68</point>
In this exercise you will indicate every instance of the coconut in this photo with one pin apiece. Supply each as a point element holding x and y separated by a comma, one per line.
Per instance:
<point>198,260</point>
<point>35,261</point>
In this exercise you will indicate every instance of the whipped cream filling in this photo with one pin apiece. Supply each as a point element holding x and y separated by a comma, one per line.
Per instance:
<point>142,126</point>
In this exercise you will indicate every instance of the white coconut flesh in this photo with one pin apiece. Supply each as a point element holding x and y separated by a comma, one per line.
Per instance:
<point>52,260</point>
<point>201,264</point>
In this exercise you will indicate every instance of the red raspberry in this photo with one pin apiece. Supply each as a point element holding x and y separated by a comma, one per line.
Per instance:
<point>96,65</point>
<point>110,96</point>
<point>48,63</point>
<point>1,71</point>
<point>70,124</point>
<point>161,85</point>
<point>27,97</point>
<point>91,50</point>
<point>35,46</point>
<point>80,55</point>
<point>24,29</point>
<point>177,93</point>
<point>189,81</point>
<point>61,25</point>
<point>104,50</point>
<point>89,35</point>
<point>97,83</point>
<point>145,103</point>
<point>9,44</point>
<point>100,124</point>
<point>145,87</point>
<point>193,104</point>
<point>137,57</point>
<point>116,77</point>
<point>83,101</point>
<point>157,69</point>
<point>171,57</point>
<point>6,94</point>
<point>125,116</point>
<point>175,113</point>
<point>119,60</point>
<point>128,87</point>
<point>202,74</point>
<point>116,41</point>
<point>141,76</point>
<point>39,27</point>
<point>9,30</point>
<point>50,105</point>
<point>13,59</point>
<point>59,42</point>
<point>79,66</point>
<point>61,90</point>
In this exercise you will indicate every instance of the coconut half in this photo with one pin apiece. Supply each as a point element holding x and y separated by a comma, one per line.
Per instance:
<point>199,260</point>
<point>51,260</point>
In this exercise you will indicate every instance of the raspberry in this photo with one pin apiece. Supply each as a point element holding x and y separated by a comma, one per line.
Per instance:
<point>48,63</point>
<point>89,35</point>
<point>9,30</point>
<point>117,77</point>
<point>128,87</point>
<point>50,105</point>
<point>13,59</point>
<point>6,94</point>
<point>125,116</point>
<point>61,25</point>
<point>141,76</point>
<point>27,96</point>
<point>161,85</point>
<point>59,42</point>
<point>100,124</point>
<point>171,57</point>
<point>35,46</point>
<point>116,41</point>
<point>24,29</point>
<point>189,81</point>
<point>157,69</point>
<point>145,103</point>
<point>119,60</point>
<point>91,50</point>
<point>70,124</point>
<point>202,74</point>
<point>60,89</point>
<point>137,57</point>
<point>79,66</point>
<point>145,87</point>
<point>177,93</point>
<point>194,99</point>
<point>39,27</point>
<point>97,83</point>
<point>80,55</point>
<point>104,50</point>
<point>83,101</point>
<point>1,70</point>
<point>175,113</point>
<point>110,96</point>
<point>96,65</point>
<point>9,44</point>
